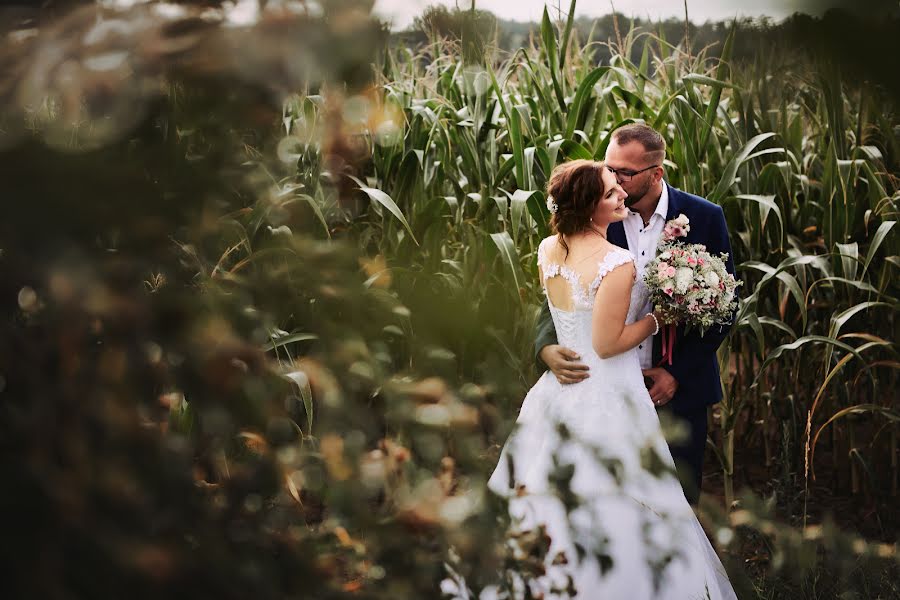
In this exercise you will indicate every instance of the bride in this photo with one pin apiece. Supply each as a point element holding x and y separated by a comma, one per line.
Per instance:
<point>588,461</point>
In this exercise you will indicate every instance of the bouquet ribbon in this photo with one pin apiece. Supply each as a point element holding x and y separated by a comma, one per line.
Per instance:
<point>668,343</point>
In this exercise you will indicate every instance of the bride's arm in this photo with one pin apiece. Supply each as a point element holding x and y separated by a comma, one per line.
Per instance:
<point>609,333</point>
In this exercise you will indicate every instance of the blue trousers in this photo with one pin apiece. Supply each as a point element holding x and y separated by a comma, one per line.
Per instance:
<point>688,454</point>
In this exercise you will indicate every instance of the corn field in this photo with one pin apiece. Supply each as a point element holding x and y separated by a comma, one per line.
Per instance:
<point>457,163</point>
<point>318,311</point>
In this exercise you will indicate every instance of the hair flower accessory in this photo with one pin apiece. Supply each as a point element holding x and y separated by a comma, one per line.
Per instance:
<point>552,206</point>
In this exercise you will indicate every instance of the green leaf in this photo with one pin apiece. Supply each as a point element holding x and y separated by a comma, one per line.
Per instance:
<point>570,19</point>
<point>786,278</point>
<point>585,89</point>
<point>766,205</point>
<point>517,203</point>
<point>877,239</point>
<point>573,150</point>
<point>537,208</point>
<point>288,339</point>
<point>809,339</point>
<point>730,171</point>
<point>634,101</point>
<point>387,202</point>
<point>888,413</point>
<point>518,145</point>
<point>837,368</point>
<point>663,112</point>
<point>697,78</point>
<point>507,167</point>
<point>839,320</point>
<point>860,409</point>
<point>302,382</point>
<point>548,37</point>
<point>849,255</point>
<point>510,257</point>
<point>778,324</point>
<point>857,283</point>
<point>753,320</point>
<point>317,210</point>
<point>499,94</point>
<point>600,154</point>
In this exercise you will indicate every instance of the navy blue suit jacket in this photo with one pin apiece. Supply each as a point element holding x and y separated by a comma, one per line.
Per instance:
<point>694,364</point>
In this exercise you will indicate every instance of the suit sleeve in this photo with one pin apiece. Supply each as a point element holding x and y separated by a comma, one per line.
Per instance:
<point>692,345</point>
<point>544,335</point>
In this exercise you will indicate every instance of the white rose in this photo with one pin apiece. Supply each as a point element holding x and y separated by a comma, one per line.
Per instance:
<point>684,276</point>
<point>712,279</point>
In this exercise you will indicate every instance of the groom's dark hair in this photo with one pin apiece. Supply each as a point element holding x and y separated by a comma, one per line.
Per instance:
<point>646,136</point>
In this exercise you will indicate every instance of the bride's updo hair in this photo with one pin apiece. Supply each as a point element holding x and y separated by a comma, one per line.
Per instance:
<point>576,187</point>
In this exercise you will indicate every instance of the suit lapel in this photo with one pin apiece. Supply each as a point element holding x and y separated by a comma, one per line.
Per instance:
<point>615,233</point>
<point>674,203</point>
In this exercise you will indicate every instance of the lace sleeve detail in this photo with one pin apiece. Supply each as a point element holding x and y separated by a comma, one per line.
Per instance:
<point>613,259</point>
<point>548,269</point>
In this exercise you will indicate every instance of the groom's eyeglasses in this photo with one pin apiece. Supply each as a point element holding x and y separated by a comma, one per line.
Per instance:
<point>627,174</point>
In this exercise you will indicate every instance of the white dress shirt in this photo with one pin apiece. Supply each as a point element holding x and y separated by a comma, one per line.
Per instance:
<point>642,242</point>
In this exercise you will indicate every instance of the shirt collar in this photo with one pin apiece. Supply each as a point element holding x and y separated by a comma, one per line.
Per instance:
<point>662,207</point>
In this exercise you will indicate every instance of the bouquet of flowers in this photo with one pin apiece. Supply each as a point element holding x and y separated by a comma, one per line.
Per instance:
<point>688,285</point>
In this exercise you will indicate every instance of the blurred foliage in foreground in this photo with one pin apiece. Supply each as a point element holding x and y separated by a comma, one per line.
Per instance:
<point>226,371</point>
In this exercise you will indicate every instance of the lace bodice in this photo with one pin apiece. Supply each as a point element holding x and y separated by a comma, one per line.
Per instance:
<point>583,298</point>
<point>573,328</point>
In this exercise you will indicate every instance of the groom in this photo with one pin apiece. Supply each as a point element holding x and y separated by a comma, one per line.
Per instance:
<point>691,383</point>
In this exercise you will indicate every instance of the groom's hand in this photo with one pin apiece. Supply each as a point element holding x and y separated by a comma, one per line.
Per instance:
<point>564,364</point>
<point>664,385</point>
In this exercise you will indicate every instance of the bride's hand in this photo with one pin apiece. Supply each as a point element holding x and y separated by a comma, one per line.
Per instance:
<point>660,317</point>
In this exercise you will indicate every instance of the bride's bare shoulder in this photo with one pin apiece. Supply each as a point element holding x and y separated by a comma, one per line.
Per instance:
<point>550,246</point>
<point>549,241</point>
<point>618,252</point>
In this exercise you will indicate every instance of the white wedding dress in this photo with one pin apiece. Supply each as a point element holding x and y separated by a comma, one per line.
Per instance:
<point>606,427</point>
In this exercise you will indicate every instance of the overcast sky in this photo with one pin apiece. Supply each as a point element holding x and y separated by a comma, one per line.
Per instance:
<point>401,12</point>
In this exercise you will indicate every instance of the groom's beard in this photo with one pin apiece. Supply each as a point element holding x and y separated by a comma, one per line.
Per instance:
<point>636,196</point>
